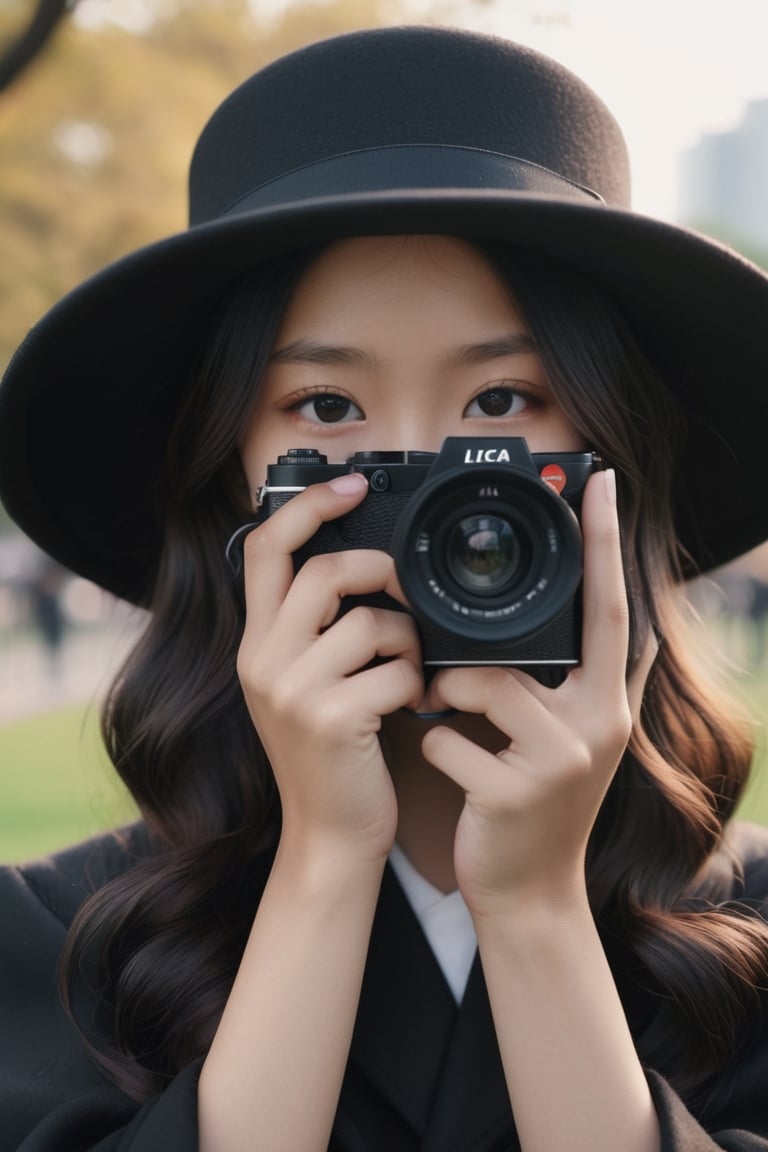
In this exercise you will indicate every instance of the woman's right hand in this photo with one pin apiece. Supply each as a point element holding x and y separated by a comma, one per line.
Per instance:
<point>316,705</point>
<point>285,1031</point>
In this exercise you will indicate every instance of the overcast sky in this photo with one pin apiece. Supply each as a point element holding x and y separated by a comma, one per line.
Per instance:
<point>668,69</point>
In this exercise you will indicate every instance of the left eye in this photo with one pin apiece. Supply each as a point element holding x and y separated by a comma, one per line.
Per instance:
<point>328,408</point>
<point>497,402</point>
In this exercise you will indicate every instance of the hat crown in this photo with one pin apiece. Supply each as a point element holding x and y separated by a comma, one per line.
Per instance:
<point>395,88</point>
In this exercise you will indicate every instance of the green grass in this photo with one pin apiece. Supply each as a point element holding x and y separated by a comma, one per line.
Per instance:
<point>754,804</point>
<point>58,786</point>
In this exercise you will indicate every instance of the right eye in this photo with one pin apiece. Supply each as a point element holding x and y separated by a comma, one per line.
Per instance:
<point>327,408</point>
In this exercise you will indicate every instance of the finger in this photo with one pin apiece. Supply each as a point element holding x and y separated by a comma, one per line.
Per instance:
<point>382,690</point>
<point>504,696</point>
<point>464,762</point>
<point>605,632</point>
<point>312,602</point>
<point>359,637</point>
<point>268,550</point>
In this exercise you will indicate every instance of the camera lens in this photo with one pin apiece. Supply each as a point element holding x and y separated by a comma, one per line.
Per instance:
<point>491,556</point>
<point>483,553</point>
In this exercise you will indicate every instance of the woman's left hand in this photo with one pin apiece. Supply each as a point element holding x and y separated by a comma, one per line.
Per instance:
<point>530,808</point>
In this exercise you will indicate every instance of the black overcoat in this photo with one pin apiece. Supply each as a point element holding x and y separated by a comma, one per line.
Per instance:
<point>422,1073</point>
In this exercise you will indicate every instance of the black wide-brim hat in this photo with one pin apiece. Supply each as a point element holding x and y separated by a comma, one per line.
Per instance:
<point>399,130</point>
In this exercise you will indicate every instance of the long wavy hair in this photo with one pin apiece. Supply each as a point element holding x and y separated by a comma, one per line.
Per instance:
<point>159,946</point>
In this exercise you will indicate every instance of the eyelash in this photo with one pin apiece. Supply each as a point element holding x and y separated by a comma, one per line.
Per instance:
<point>502,386</point>
<point>317,393</point>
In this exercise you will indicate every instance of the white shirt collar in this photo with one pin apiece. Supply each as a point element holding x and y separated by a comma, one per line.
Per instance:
<point>445,921</point>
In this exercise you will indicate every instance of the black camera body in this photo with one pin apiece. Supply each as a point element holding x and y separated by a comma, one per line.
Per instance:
<point>485,538</point>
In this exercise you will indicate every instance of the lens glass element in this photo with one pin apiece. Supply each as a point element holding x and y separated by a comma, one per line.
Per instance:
<point>483,553</point>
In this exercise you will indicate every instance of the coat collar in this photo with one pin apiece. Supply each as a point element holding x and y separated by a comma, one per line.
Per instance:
<point>437,1065</point>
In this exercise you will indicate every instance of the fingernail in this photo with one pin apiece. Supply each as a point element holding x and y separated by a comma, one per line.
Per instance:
<point>349,484</point>
<point>610,486</point>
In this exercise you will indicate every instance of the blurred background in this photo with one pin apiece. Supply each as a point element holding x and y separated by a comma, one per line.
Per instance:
<point>100,105</point>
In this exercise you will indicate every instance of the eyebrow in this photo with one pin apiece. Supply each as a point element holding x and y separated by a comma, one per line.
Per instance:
<point>311,352</point>
<point>516,344</point>
<point>304,351</point>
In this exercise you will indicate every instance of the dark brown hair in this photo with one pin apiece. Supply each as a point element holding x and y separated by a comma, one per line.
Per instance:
<point>162,942</point>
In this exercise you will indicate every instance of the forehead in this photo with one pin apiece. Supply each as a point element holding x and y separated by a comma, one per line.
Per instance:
<point>372,279</point>
<point>367,256</point>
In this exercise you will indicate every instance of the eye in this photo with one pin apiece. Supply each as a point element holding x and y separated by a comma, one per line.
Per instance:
<point>327,408</point>
<point>498,401</point>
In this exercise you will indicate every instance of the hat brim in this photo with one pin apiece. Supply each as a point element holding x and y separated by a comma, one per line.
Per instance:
<point>87,401</point>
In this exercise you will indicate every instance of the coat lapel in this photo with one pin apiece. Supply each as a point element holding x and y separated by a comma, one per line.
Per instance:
<point>416,1059</point>
<point>406,1013</point>
<point>471,1108</point>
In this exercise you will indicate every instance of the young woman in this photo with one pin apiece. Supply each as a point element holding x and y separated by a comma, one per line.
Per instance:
<point>371,904</point>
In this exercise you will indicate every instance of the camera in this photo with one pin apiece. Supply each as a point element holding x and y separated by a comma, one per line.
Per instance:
<point>485,538</point>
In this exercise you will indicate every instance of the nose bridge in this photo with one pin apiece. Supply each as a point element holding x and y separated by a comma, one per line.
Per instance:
<point>411,424</point>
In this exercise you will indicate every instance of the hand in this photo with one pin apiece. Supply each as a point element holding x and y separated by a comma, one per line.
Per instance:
<point>530,808</point>
<point>315,704</point>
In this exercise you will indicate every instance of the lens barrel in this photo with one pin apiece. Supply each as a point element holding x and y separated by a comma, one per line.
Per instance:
<point>490,554</point>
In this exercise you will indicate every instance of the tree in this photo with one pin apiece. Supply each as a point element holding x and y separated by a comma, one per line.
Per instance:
<point>95,138</point>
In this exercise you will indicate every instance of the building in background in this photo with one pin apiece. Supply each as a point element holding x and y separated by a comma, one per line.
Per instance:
<point>724,182</point>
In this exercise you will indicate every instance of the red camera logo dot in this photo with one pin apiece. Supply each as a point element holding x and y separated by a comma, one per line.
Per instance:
<point>553,475</point>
